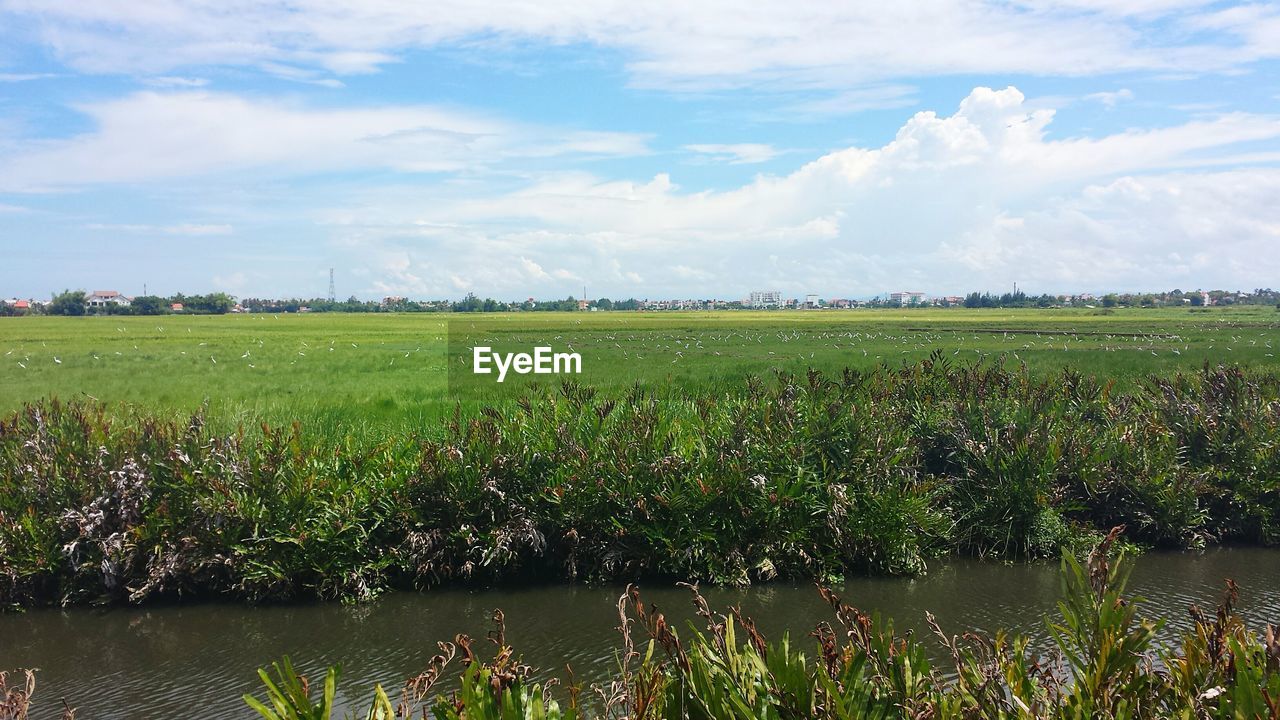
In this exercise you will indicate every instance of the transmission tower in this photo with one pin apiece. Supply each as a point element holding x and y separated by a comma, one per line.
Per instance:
<point>333,295</point>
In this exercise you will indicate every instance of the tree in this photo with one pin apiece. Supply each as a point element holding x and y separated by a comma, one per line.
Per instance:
<point>149,305</point>
<point>68,302</point>
<point>213,303</point>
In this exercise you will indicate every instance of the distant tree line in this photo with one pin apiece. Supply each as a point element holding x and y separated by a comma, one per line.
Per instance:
<point>470,303</point>
<point>1176,298</point>
<point>75,302</point>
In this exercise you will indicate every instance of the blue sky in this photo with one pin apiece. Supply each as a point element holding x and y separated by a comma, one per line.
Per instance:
<point>515,149</point>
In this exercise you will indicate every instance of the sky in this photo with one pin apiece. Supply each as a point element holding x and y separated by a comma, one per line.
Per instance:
<point>666,149</point>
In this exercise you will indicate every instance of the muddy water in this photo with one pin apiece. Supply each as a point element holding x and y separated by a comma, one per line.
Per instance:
<point>196,661</point>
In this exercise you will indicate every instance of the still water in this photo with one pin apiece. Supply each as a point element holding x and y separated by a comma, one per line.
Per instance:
<point>196,661</point>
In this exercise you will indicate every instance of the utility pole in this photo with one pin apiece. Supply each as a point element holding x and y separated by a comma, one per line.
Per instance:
<point>333,296</point>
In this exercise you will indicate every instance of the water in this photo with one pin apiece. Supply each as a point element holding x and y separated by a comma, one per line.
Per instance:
<point>196,661</point>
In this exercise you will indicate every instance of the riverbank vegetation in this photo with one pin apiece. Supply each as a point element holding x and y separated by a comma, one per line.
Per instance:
<point>793,477</point>
<point>1102,661</point>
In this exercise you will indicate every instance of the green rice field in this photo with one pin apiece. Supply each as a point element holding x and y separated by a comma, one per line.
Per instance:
<point>391,371</point>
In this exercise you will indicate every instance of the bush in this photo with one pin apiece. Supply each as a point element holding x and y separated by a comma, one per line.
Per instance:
<point>796,478</point>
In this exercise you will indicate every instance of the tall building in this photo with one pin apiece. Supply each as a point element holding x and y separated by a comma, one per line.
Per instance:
<point>765,298</point>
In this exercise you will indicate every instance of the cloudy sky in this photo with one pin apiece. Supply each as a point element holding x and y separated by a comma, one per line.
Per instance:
<point>661,149</point>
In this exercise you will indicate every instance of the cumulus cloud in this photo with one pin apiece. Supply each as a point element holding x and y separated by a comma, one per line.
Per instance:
<point>669,43</point>
<point>976,199</point>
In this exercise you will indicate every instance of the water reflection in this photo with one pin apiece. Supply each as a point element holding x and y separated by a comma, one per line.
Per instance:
<point>163,662</point>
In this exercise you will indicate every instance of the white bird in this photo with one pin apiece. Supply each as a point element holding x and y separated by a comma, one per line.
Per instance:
<point>57,360</point>
<point>214,359</point>
<point>245,355</point>
<point>24,367</point>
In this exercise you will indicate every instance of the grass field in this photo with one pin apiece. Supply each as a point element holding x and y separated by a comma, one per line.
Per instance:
<point>378,371</point>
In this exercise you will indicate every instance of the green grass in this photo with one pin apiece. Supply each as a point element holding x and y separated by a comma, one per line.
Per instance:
<point>372,373</point>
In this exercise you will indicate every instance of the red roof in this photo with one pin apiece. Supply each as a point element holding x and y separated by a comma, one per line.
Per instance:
<point>22,305</point>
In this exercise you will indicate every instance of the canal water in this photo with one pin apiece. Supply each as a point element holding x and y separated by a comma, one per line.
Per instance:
<point>196,661</point>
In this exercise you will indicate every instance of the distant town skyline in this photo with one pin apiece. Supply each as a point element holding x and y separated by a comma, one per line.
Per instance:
<point>664,150</point>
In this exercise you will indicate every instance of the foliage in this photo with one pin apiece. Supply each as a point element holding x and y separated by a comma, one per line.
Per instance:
<point>797,478</point>
<point>289,694</point>
<point>68,302</point>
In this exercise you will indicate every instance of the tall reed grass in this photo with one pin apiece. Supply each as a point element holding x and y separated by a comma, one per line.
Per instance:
<point>788,477</point>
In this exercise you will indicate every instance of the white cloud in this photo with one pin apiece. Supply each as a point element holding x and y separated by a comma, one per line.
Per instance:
<point>188,229</point>
<point>152,136</point>
<point>974,200</point>
<point>1218,229</point>
<point>25,77</point>
<point>233,283</point>
<point>175,81</point>
<point>848,102</point>
<point>670,43</point>
<point>1111,98</point>
<point>735,154</point>
<point>196,229</point>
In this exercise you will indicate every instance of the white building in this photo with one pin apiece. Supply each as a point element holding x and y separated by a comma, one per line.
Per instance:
<point>103,298</point>
<point>812,301</point>
<point>765,298</point>
<point>908,297</point>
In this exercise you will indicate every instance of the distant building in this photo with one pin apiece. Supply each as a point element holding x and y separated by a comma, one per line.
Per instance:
<point>908,297</point>
<point>584,304</point>
<point>765,298</point>
<point>812,301</point>
<point>103,298</point>
<point>21,305</point>
<point>176,307</point>
<point>393,300</point>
